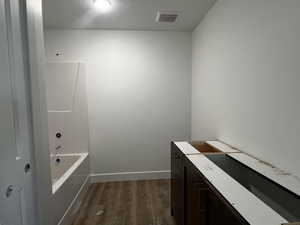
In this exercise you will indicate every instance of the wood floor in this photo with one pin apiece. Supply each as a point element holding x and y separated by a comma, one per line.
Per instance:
<point>127,203</point>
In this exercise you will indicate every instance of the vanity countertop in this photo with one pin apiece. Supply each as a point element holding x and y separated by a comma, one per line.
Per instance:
<point>287,180</point>
<point>186,148</point>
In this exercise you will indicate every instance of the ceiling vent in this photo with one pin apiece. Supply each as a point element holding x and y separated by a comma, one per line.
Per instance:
<point>167,17</point>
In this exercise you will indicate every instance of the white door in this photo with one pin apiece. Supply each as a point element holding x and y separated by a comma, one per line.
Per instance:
<point>16,184</point>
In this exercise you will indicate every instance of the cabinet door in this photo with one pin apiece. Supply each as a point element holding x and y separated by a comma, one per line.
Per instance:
<point>220,213</point>
<point>196,197</point>
<point>203,204</point>
<point>177,185</point>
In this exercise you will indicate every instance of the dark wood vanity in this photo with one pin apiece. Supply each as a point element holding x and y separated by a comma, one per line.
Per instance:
<point>194,201</point>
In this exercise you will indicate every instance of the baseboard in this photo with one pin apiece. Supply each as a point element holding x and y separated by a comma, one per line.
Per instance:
<point>70,213</point>
<point>124,176</point>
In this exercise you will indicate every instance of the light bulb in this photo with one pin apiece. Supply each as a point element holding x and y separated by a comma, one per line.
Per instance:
<point>103,5</point>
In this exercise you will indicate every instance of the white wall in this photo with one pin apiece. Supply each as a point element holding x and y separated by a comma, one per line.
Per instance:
<point>246,78</point>
<point>138,93</point>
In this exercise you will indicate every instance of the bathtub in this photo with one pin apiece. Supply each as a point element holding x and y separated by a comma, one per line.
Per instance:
<point>63,167</point>
<point>70,183</point>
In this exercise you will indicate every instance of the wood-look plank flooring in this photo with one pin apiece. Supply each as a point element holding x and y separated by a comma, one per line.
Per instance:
<point>127,203</point>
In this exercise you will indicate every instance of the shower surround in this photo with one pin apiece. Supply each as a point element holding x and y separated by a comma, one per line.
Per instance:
<point>68,136</point>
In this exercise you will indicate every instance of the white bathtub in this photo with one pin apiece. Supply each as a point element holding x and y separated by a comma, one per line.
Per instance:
<point>62,170</point>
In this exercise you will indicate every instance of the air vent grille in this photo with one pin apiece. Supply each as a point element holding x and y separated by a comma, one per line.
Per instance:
<point>167,17</point>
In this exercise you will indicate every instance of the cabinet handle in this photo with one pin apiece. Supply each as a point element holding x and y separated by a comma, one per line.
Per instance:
<point>177,156</point>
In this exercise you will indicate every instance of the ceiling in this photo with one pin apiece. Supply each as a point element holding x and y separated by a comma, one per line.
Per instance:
<point>125,14</point>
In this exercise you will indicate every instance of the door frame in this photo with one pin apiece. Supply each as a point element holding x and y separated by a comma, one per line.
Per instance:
<point>36,67</point>
<point>29,101</point>
<point>15,22</point>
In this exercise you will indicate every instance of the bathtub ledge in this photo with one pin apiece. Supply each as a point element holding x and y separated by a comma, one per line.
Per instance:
<point>57,184</point>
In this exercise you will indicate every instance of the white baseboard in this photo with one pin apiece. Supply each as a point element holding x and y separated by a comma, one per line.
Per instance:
<point>124,176</point>
<point>70,213</point>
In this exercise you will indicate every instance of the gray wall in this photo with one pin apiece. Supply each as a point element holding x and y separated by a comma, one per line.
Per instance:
<point>246,78</point>
<point>138,93</point>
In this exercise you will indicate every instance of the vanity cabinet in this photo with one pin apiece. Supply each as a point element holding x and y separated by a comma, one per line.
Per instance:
<point>177,184</point>
<point>194,201</point>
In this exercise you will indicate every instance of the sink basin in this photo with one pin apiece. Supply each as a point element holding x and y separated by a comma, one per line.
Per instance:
<point>204,147</point>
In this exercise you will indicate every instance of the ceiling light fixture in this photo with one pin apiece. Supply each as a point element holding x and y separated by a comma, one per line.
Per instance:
<point>103,5</point>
